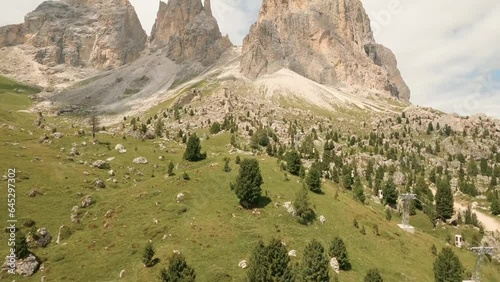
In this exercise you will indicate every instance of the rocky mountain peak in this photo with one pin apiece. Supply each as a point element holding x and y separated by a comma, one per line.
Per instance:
<point>188,30</point>
<point>207,7</point>
<point>94,33</point>
<point>328,41</point>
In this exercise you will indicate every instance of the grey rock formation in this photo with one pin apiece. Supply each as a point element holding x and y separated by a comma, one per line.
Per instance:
<point>101,164</point>
<point>189,32</point>
<point>330,42</point>
<point>80,33</point>
<point>84,202</point>
<point>42,237</point>
<point>26,267</point>
<point>140,160</point>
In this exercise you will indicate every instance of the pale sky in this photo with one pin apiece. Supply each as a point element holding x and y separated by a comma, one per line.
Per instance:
<point>448,50</point>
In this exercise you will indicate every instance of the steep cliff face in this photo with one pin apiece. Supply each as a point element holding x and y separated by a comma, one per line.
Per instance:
<point>328,41</point>
<point>80,33</point>
<point>189,32</point>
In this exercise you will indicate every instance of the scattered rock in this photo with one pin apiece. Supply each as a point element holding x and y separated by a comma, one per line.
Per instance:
<point>122,273</point>
<point>100,164</point>
<point>109,213</point>
<point>120,148</point>
<point>334,264</point>
<point>177,252</point>
<point>111,173</point>
<point>292,253</point>
<point>32,193</point>
<point>243,264</point>
<point>180,197</point>
<point>289,208</point>
<point>43,237</point>
<point>74,152</point>
<point>140,160</point>
<point>26,267</point>
<point>58,240</point>
<point>57,135</point>
<point>86,201</point>
<point>99,183</point>
<point>322,219</point>
<point>74,214</point>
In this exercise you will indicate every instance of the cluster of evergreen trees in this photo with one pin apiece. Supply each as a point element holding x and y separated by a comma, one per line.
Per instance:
<point>272,263</point>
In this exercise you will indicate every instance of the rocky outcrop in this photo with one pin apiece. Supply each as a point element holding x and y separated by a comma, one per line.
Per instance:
<point>330,42</point>
<point>25,267</point>
<point>189,32</point>
<point>94,33</point>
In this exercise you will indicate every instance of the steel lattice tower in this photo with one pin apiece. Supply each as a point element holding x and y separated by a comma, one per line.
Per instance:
<point>481,251</point>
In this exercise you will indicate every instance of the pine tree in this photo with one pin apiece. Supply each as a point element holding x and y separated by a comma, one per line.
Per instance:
<point>347,179</point>
<point>390,193</point>
<point>248,182</point>
<point>293,162</point>
<point>257,265</point>
<point>215,128</point>
<point>21,250</point>
<point>269,150</point>
<point>270,263</point>
<point>313,179</point>
<point>373,275</point>
<point>178,270</point>
<point>170,170</point>
<point>227,168</point>
<point>358,190</point>
<point>495,205</point>
<point>315,263</point>
<point>279,262</point>
<point>447,267</point>
<point>430,128</point>
<point>148,254</point>
<point>472,169</point>
<point>193,150</point>
<point>303,210</point>
<point>338,250</point>
<point>444,199</point>
<point>159,127</point>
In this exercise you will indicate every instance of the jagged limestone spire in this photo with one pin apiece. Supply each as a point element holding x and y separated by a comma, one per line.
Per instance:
<point>207,7</point>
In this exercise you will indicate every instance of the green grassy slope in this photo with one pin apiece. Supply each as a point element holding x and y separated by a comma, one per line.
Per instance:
<point>211,238</point>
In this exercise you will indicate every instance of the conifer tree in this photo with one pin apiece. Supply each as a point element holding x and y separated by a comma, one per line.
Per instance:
<point>248,182</point>
<point>444,199</point>
<point>193,150</point>
<point>170,169</point>
<point>315,263</point>
<point>358,190</point>
<point>390,193</point>
<point>447,267</point>
<point>270,263</point>
<point>313,179</point>
<point>303,210</point>
<point>347,179</point>
<point>373,275</point>
<point>338,250</point>
<point>21,250</point>
<point>178,270</point>
<point>148,254</point>
<point>293,162</point>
